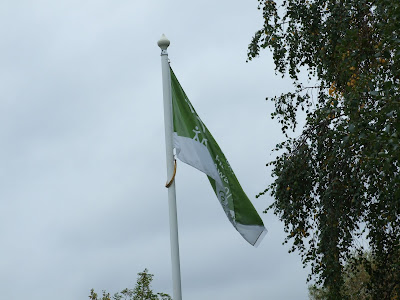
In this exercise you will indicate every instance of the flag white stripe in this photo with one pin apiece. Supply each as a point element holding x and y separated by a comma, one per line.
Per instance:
<point>195,154</point>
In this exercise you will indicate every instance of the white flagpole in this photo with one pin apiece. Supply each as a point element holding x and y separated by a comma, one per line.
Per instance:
<point>163,43</point>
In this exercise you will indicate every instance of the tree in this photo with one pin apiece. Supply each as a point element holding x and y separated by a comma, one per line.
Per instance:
<point>142,291</point>
<point>338,181</point>
<point>356,280</point>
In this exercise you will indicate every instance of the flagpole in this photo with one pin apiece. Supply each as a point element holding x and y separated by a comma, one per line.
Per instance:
<point>163,43</point>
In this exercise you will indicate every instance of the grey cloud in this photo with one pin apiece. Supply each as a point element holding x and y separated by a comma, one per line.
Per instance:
<point>82,161</point>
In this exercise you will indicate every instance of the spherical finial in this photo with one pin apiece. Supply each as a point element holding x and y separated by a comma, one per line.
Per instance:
<point>163,42</point>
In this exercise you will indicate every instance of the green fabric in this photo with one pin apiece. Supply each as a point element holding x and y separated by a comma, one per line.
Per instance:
<point>187,123</point>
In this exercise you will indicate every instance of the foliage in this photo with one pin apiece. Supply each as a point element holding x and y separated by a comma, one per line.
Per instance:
<point>316,293</point>
<point>142,291</point>
<point>356,280</point>
<point>339,181</point>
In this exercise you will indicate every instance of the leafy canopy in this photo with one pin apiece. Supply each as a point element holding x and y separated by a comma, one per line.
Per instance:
<point>338,182</point>
<point>356,280</point>
<point>142,291</point>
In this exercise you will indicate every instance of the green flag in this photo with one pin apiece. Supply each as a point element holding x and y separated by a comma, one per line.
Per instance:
<point>195,146</point>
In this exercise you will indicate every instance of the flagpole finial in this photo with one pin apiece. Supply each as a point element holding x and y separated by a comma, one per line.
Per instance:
<point>163,42</point>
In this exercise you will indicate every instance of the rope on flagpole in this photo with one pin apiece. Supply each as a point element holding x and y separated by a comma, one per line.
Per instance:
<point>168,184</point>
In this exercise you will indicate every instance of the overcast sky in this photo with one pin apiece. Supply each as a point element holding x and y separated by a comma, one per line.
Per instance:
<point>82,157</point>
